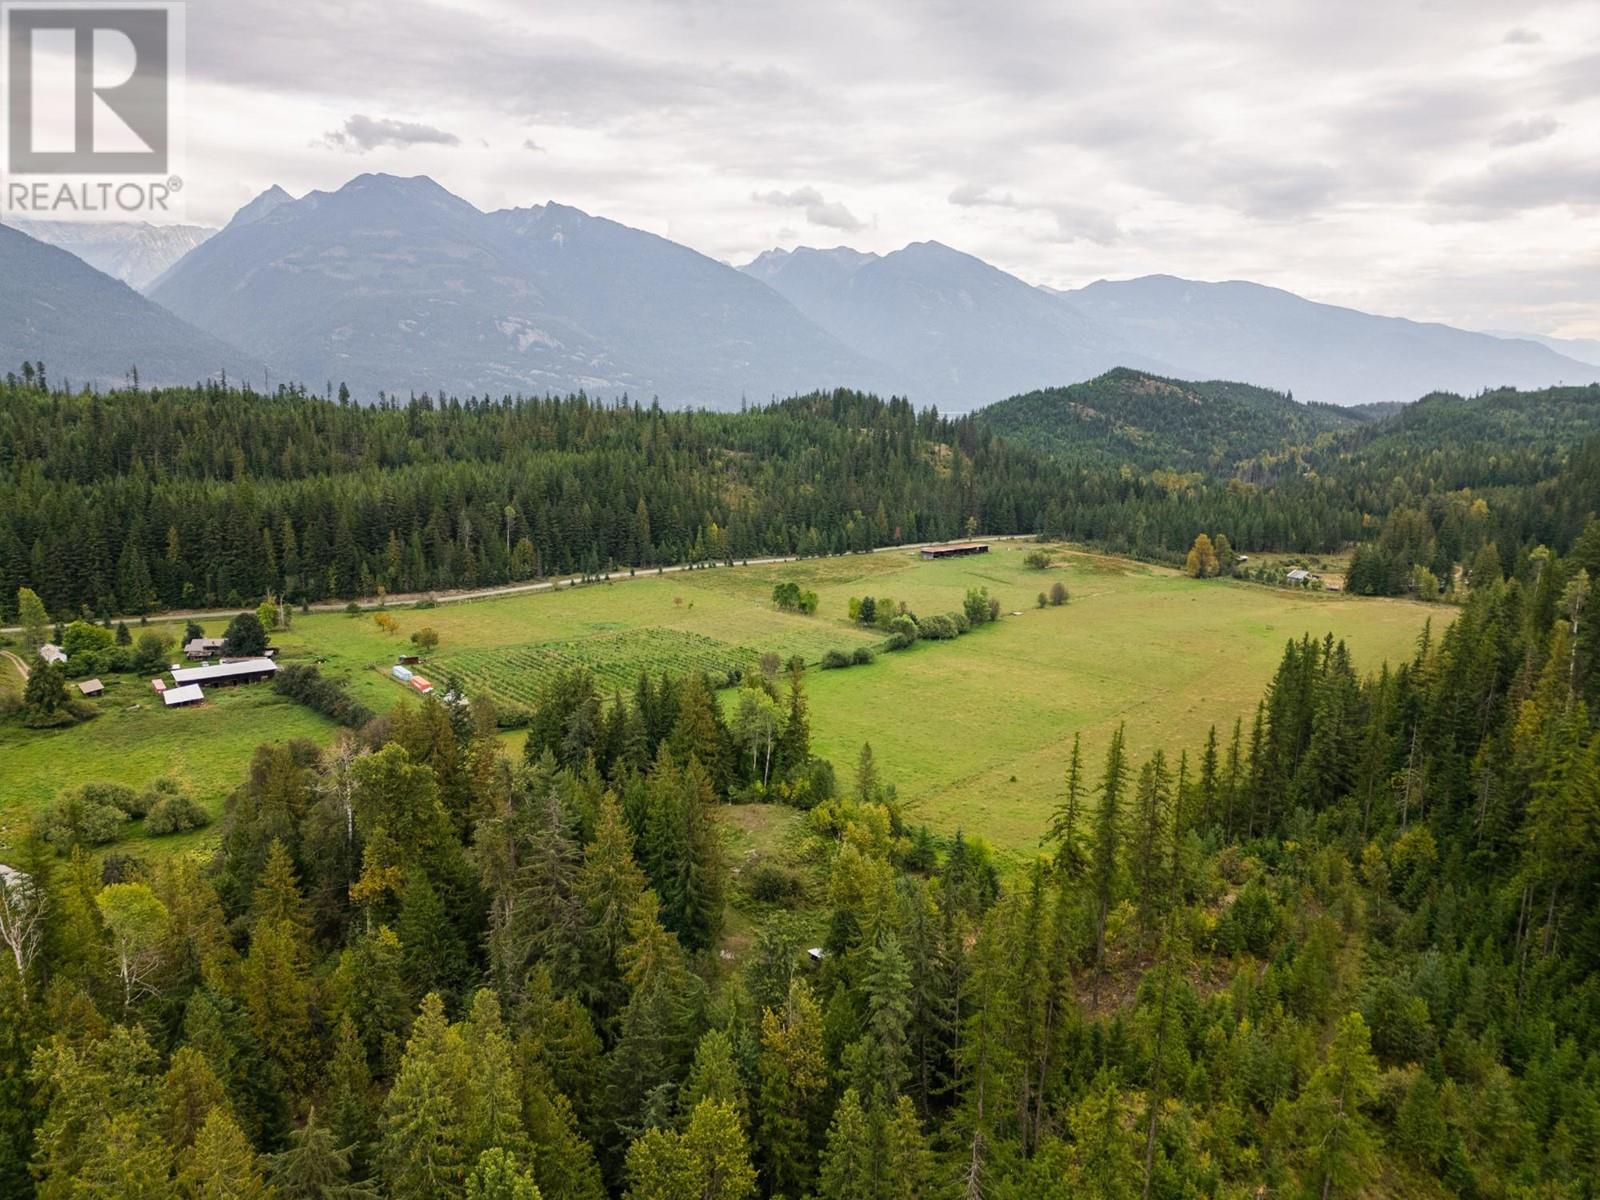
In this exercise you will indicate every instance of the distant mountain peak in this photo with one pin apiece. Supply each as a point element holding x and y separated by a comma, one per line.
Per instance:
<point>268,200</point>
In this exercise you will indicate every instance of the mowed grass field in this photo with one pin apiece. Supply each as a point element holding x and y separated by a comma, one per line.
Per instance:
<point>951,722</point>
<point>976,733</point>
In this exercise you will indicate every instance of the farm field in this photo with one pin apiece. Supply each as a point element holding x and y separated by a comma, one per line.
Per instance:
<point>976,733</point>
<point>951,723</point>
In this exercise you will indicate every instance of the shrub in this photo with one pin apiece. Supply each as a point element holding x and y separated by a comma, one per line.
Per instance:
<point>938,629</point>
<point>117,795</point>
<point>834,659</point>
<point>1043,600</point>
<point>175,813</point>
<point>899,641</point>
<point>73,820</point>
<point>1039,560</point>
<point>962,622</point>
<point>1058,593</point>
<point>862,656</point>
<point>976,606</point>
<point>329,697</point>
<point>771,884</point>
<point>906,625</point>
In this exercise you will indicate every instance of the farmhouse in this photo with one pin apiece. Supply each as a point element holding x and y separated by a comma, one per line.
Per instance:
<point>52,653</point>
<point>240,670</point>
<point>200,648</point>
<point>179,696</point>
<point>91,687</point>
<point>959,550</point>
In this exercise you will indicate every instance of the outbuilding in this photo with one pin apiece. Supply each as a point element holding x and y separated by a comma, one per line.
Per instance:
<point>958,550</point>
<point>52,653</point>
<point>91,687</point>
<point>421,685</point>
<point>201,648</point>
<point>178,697</point>
<point>239,670</point>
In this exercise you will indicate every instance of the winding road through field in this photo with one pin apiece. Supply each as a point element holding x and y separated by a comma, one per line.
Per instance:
<point>22,667</point>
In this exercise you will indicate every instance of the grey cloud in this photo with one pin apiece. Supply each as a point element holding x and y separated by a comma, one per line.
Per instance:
<point>830,214</point>
<point>1073,222</point>
<point>362,133</point>
<point>1503,190</point>
<point>530,144</point>
<point>1521,132</point>
<point>1522,36</point>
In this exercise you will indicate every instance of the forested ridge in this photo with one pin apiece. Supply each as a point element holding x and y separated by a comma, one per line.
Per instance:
<point>1349,947</point>
<point>141,500</point>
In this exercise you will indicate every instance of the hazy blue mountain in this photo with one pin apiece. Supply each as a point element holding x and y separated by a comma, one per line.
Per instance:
<point>1585,350</point>
<point>1321,352</point>
<point>90,328</point>
<point>135,252</point>
<point>960,332</point>
<point>398,285</point>
<point>676,322</point>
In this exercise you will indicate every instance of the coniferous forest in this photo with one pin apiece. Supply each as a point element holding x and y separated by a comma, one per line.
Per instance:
<point>1348,947</point>
<point>137,501</point>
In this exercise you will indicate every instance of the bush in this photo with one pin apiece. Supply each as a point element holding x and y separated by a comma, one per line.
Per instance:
<point>862,656</point>
<point>73,820</point>
<point>176,813</point>
<point>1039,560</point>
<point>899,641</point>
<point>117,795</point>
<point>938,629</point>
<point>834,659</point>
<point>326,696</point>
<point>1043,600</point>
<point>775,885</point>
<point>1058,593</point>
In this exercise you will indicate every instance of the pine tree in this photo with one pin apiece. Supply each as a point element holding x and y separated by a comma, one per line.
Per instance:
<point>851,1166</point>
<point>1107,847</point>
<point>793,1072</point>
<point>316,1167</point>
<point>221,1165</point>
<point>1070,857</point>
<point>708,1161</point>
<point>421,1155</point>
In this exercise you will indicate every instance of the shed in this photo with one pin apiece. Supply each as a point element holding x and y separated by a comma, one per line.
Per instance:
<point>91,687</point>
<point>958,550</point>
<point>403,674</point>
<point>199,648</point>
<point>160,685</point>
<point>179,696</point>
<point>421,685</point>
<point>1299,575</point>
<point>241,670</point>
<point>816,954</point>
<point>52,653</point>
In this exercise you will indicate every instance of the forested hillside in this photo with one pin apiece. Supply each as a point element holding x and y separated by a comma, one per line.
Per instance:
<point>1351,948</point>
<point>1129,416</point>
<point>139,500</point>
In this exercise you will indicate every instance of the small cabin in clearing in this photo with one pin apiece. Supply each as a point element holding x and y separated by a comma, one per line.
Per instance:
<point>959,550</point>
<point>91,687</point>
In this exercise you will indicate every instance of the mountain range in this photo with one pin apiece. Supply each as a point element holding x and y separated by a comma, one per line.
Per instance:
<point>87,327</point>
<point>135,252</point>
<point>395,284</point>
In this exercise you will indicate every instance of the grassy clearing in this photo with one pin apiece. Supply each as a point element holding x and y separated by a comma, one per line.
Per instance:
<point>974,732</point>
<point>135,740</point>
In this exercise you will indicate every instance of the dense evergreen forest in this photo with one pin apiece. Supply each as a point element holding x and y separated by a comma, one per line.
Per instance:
<point>139,500</point>
<point>1348,948</point>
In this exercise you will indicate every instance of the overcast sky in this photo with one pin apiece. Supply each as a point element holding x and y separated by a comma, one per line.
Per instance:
<point>1434,160</point>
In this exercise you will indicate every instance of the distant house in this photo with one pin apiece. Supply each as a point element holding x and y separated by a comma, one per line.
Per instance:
<point>242,670</point>
<point>52,653</point>
<point>196,649</point>
<point>91,687</point>
<point>959,550</point>
<point>1301,575</point>
<point>179,696</point>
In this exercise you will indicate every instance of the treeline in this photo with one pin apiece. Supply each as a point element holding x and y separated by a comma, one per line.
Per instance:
<point>1348,946</point>
<point>137,501</point>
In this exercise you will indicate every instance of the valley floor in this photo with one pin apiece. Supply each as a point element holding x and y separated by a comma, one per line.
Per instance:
<point>975,732</point>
